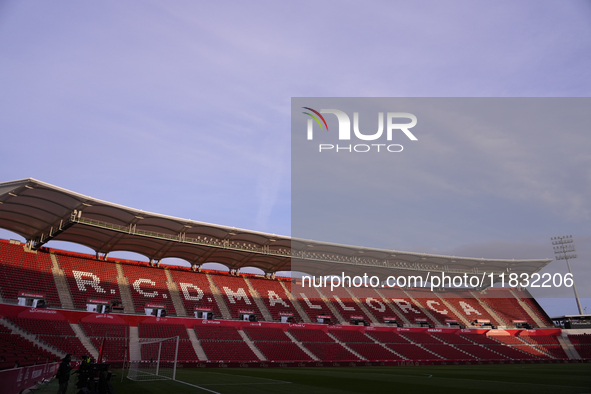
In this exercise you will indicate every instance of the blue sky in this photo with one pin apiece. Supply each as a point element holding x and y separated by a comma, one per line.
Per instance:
<point>183,108</point>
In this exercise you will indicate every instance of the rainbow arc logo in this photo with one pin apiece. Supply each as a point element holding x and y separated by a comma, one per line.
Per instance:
<point>315,118</point>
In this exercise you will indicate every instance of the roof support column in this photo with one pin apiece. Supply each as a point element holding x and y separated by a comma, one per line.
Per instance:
<point>154,263</point>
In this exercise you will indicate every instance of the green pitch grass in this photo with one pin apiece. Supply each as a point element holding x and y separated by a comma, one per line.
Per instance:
<point>539,379</point>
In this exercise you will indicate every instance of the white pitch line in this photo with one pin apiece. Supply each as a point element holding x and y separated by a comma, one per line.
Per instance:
<point>199,387</point>
<point>251,377</point>
<point>241,384</point>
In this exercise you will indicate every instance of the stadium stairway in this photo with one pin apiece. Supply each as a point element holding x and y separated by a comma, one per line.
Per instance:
<point>525,297</point>
<point>63,291</point>
<point>482,343</point>
<point>252,346</point>
<point>331,307</point>
<point>301,346</point>
<point>295,303</point>
<point>385,347</point>
<point>134,344</point>
<point>539,347</point>
<point>528,310</point>
<point>402,318</point>
<point>31,338</point>
<point>343,344</point>
<point>568,347</point>
<point>420,345</point>
<point>196,345</point>
<point>257,300</point>
<point>174,295</point>
<point>463,319</point>
<point>123,284</point>
<point>363,308</point>
<point>85,341</point>
<point>468,354</point>
<point>500,322</point>
<point>424,309</point>
<point>219,298</point>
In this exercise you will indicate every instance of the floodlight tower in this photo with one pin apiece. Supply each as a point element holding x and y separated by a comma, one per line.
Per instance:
<point>563,246</point>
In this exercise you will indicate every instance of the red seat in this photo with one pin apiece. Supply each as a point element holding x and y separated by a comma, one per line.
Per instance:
<point>22,271</point>
<point>236,295</point>
<point>195,291</point>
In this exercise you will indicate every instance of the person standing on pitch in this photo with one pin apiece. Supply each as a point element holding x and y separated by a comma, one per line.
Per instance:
<point>63,374</point>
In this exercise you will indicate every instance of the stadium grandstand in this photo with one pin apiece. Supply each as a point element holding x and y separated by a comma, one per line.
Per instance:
<point>55,302</point>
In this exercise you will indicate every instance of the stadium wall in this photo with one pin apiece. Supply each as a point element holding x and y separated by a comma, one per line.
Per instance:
<point>133,320</point>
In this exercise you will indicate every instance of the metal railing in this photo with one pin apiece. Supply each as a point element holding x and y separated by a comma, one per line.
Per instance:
<point>251,248</point>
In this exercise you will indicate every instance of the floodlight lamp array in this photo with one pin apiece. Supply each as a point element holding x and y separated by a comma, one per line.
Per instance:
<point>564,249</point>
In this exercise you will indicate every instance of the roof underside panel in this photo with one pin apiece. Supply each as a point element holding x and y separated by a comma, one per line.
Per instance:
<point>39,212</point>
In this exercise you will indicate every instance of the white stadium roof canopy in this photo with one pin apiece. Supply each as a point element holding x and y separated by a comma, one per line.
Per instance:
<point>40,212</point>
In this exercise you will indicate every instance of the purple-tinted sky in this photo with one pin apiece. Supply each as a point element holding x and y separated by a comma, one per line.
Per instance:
<point>183,108</point>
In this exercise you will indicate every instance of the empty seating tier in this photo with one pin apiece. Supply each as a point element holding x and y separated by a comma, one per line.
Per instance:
<point>481,352</point>
<point>420,337</point>
<point>162,330</point>
<point>547,343</point>
<point>285,351</point>
<point>114,337</point>
<point>465,304</point>
<point>195,291</point>
<point>341,299</point>
<point>114,349</point>
<point>479,338</point>
<point>436,307</point>
<point>168,349</point>
<point>534,306</point>
<point>266,334</point>
<point>512,352</point>
<point>528,349</point>
<point>412,351</point>
<point>374,303</point>
<point>310,301</point>
<point>147,285</point>
<point>166,330</point>
<point>57,333</point>
<point>44,327</point>
<point>451,338</point>
<point>506,306</point>
<point>448,352</point>
<point>274,298</point>
<point>374,352</point>
<point>310,335</point>
<point>387,337</point>
<point>18,351</point>
<point>89,278</point>
<point>105,330</point>
<point>22,271</point>
<point>507,339</point>
<point>402,302</point>
<point>349,336</point>
<point>213,332</point>
<point>234,351</point>
<point>540,339</point>
<point>330,351</point>
<point>236,294</point>
<point>582,343</point>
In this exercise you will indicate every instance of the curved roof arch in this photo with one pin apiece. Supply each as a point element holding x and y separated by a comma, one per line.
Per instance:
<point>41,212</point>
